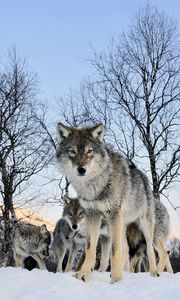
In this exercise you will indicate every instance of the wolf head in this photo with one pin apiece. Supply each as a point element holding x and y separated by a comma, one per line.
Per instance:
<point>44,240</point>
<point>74,214</point>
<point>30,239</point>
<point>81,153</point>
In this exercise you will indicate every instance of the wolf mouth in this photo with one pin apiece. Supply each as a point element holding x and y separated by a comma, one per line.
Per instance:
<point>70,237</point>
<point>81,175</point>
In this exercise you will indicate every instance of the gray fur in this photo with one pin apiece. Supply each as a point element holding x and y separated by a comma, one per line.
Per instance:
<point>162,224</point>
<point>112,187</point>
<point>136,241</point>
<point>30,240</point>
<point>66,239</point>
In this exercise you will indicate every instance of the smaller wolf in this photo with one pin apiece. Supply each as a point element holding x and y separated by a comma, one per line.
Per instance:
<point>30,240</point>
<point>137,247</point>
<point>137,243</point>
<point>69,233</point>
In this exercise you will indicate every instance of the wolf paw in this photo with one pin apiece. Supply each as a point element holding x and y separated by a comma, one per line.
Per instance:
<point>83,275</point>
<point>116,278</point>
<point>102,269</point>
<point>155,274</point>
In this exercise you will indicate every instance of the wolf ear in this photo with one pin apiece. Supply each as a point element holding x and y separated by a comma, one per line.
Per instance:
<point>43,229</point>
<point>98,132</point>
<point>66,200</point>
<point>63,131</point>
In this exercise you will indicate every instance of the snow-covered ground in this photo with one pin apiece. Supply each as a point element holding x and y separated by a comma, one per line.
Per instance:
<point>20,284</point>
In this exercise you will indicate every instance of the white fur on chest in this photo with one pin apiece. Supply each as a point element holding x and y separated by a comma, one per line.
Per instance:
<point>102,206</point>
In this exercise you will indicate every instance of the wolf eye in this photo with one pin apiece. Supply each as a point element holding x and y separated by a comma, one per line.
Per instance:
<point>90,151</point>
<point>80,214</point>
<point>72,151</point>
<point>70,215</point>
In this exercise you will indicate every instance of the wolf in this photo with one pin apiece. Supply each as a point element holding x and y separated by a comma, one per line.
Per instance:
<point>136,247</point>
<point>70,236</point>
<point>69,233</point>
<point>30,240</point>
<point>137,244</point>
<point>109,187</point>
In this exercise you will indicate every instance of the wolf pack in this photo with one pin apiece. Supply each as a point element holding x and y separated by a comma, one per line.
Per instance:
<point>114,223</point>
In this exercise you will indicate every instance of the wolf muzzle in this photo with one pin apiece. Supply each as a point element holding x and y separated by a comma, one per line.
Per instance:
<point>74,226</point>
<point>81,170</point>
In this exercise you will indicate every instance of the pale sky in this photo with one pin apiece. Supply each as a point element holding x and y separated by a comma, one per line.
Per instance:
<point>56,36</point>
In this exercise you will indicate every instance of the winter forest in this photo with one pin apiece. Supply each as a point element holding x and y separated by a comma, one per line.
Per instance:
<point>129,99</point>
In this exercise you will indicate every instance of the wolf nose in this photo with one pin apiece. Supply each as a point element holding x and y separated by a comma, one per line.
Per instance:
<point>74,226</point>
<point>81,170</point>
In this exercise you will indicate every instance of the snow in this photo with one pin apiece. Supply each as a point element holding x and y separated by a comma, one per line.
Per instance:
<point>21,284</point>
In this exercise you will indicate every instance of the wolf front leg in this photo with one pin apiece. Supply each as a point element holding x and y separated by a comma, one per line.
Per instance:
<point>68,267</point>
<point>117,232</point>
<point>168,265</point>
<point>105,253</point>
<point>147,227</point>
<point>18,260</point>
<point>40,261</point>
<point>164,261</point>
<point>133,263</point>
<point>71,258</point>
<point>93,227</point>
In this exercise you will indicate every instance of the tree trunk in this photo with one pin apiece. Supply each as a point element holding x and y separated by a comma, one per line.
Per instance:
<point>154,174</point>
<point>6,252</point>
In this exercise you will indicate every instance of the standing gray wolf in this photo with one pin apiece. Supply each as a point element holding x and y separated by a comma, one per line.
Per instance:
<point>137,244</point>
<point>30,240</point>
<point>69,233</point>
<point>108,186</point>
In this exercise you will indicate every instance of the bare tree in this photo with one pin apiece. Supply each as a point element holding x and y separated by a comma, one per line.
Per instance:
<point>25,148</point>
<point>136,92</point>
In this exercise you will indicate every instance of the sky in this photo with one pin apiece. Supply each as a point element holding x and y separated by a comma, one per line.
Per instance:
<point>57,37</point>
